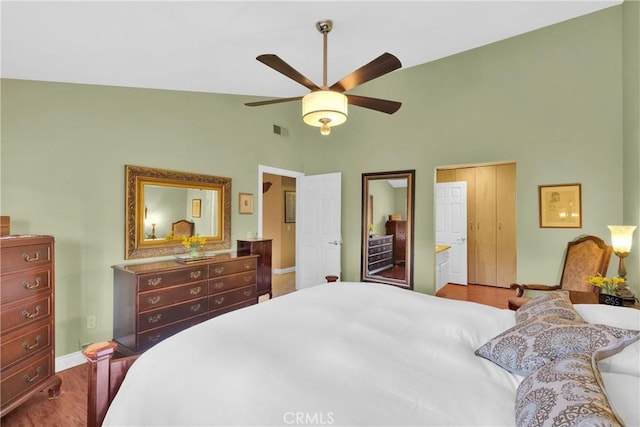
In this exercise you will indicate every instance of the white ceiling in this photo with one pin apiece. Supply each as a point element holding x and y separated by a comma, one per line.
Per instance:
<point>210,46</point>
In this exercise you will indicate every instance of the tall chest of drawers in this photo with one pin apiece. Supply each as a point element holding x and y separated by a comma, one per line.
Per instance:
<point>155,300</point>
<point>27,319</point>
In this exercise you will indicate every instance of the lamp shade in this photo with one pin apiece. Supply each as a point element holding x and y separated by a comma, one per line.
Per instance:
<point>621,237</point>
<point>324,107</point>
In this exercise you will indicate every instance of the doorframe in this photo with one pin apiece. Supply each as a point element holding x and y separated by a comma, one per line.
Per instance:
<point>472,165</point>
<point>262,169</point>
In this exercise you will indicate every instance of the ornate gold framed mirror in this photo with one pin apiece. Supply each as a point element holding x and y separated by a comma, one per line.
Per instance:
<point>387,227</point>
<point>159,203</point>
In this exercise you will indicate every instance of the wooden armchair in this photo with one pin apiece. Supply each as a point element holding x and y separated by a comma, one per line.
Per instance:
<point>586,256</point>
<point>182,228</point>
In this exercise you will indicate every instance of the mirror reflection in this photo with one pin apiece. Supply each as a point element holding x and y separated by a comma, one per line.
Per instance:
<point>387,227</point>
<point>163,206</point>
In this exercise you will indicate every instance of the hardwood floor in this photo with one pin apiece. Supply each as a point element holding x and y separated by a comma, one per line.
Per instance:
<point>489,295</point>
<point>69,410</point>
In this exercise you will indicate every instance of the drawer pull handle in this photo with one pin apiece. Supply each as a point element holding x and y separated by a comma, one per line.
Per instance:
<point>218,285</point>
<point>28,315</point>
<point>28,285</point>
<point>219,270</point>
<point>27,258</point>
<point>28,346</point>
<point>247,279</point>
<point>155,318</point>
<point>195,308</point>
<point>248,293</point>
<point>195,274</point>
<point>155,281</point>
<point>219,301</point>
<point>195,291</point>
<point>27,379</point>
<point>154,338</point>
<point>154,299</point>
<point>247,265</point>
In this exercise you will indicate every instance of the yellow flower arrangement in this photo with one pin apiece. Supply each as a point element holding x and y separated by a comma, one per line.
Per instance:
<point>608,286</point>
<point>193,241</point>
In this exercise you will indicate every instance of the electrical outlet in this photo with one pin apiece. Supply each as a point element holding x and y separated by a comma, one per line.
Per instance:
<point>91,321</point>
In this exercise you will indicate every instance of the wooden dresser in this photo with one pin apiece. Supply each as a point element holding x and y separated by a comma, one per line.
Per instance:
<point>380,256</point>
<point>27,319</point>
<point>155,300</point>
<point>262,247</point>
<point>399,231</point>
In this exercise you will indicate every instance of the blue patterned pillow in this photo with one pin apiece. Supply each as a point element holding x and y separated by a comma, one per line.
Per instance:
<point>565,392</point>
<point>555,303</point>
<point>529,345</point>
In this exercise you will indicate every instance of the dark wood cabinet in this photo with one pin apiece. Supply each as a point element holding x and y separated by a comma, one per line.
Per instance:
<point>155,300</point>
<point>399,231</point>
<point>27,336</point>
<point>263,248</point>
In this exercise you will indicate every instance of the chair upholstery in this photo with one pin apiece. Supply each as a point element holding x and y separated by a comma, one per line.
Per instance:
<point>586,256</point>
<point>182,228</point>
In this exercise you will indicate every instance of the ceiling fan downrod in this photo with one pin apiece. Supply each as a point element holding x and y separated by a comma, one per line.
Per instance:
<point>324,27</point>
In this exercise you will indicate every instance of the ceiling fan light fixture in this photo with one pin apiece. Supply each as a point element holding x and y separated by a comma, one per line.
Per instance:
<point>324,108</point>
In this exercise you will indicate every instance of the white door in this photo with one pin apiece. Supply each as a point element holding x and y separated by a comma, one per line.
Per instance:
<point>318,228</point>
<point>451,226</point>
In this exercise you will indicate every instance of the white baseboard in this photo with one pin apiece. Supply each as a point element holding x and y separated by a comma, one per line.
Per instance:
<point>69,361</point>
<point>284,270</point>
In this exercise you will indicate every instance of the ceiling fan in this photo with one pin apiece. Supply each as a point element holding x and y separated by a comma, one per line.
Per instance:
<point>326,106</point>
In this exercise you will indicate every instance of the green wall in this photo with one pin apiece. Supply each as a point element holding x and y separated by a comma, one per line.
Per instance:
<point>551,100</point>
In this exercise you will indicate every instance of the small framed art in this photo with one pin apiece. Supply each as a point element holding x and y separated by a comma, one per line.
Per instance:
<point>289,206</point>
<point>245,203</point>
<point>560,206</point>
<point>195,208</point>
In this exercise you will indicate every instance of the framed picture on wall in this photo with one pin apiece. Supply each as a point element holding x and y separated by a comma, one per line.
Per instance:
<point>560,206</point>
<point>195,208</point>
<point>245,203</point>
<point>289,206</point>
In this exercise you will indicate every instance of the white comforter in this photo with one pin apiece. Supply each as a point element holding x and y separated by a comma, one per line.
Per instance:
<point>348,354</point>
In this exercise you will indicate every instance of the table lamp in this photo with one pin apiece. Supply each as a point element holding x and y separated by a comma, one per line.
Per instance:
<point>621,239</point>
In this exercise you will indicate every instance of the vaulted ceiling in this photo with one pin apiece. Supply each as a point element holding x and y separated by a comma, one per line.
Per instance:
<point>210,46</point>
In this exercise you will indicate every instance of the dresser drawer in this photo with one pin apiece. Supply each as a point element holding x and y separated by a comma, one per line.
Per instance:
<point>228,298</point>
<point>25,283</point>
<point>16,348</point>
<point>158,280</point>
<point>166,296</point>
<point>28,256</point>
<point>237,266</point>
<point>25,312</point>
<point>164,316</point>
<point>24,377</point>
<point>379,257</point>
<point>226,283</point>
<point>387,247</point>
<point>152,337</point>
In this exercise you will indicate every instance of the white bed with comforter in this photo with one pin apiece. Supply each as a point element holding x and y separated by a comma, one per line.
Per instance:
<point>347,354</point>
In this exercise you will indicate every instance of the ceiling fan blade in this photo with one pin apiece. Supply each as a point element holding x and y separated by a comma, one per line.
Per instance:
<point>280,66</point>
<point>380,66</point>
<point>377,104</point>
<point>272,101</point>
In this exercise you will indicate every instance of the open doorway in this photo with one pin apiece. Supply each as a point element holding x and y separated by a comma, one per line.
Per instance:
<point>277,193</point>
<point>490,223</point>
